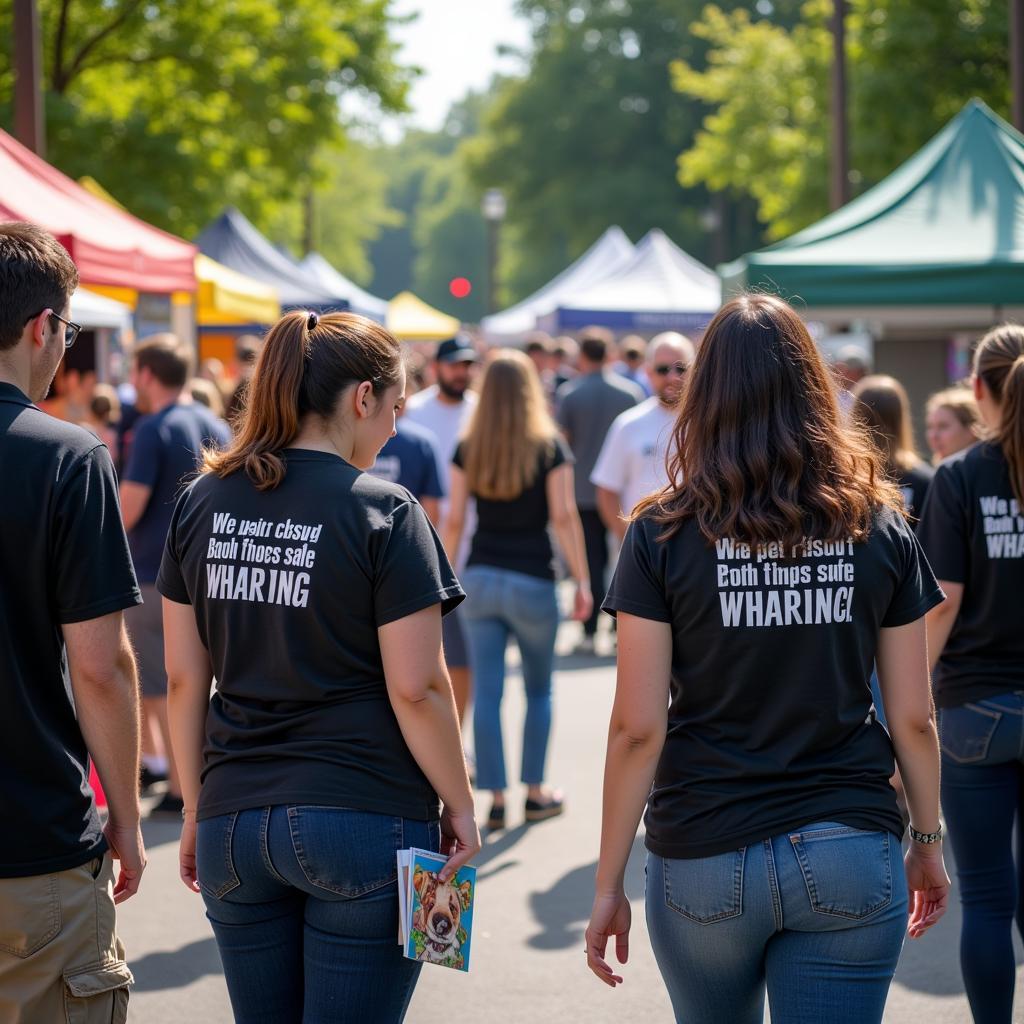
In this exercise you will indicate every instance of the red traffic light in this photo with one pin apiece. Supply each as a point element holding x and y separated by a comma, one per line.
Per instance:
<point>460,287</point>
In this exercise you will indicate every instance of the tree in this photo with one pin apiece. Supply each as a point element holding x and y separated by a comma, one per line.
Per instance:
<point>180,107</point>
<point>912,66</point>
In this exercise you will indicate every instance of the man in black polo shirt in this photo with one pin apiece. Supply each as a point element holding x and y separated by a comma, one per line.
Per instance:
<point>67,677</point>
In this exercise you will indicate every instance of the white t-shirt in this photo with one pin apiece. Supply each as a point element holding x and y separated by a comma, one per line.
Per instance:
<point>446,421</point>
<point>632,459</point>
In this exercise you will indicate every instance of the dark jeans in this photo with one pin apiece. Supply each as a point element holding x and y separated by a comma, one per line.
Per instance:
<point>304,906</point>
<point>982,790</point>
<point>595,540</point>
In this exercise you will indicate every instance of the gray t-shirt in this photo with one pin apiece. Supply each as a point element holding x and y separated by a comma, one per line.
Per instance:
<point>587,407</point>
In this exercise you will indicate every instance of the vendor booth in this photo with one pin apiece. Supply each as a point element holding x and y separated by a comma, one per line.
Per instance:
<point>359,301</point>
<point>230,304</point>
<point>659,288</point>
<point>925,261</point>
<point>409,318</point>
<point>604,258</point>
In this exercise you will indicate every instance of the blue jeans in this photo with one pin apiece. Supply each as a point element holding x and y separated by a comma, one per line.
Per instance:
<point>500,603</point>
<point>816,916</point>
<point>982,792</point>
<point>304,906</point>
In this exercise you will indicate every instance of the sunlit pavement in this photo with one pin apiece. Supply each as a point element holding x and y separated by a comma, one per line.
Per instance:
<point>535,889</point>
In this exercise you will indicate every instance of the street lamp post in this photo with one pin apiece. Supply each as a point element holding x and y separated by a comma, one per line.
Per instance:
<point>840,185</point>
<point>494,208</point>
<point>29,125</point>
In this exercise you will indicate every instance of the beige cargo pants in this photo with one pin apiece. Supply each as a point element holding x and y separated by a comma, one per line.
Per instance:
<point>61,961</point>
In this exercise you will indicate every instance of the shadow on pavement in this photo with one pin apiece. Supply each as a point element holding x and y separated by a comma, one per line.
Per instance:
<point>563,910</point>
<point>175,968</point>
<point>582,662</point>
<point>161,830</point>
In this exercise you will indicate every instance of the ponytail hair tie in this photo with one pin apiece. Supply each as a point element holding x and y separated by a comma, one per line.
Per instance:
<point>312,321</point>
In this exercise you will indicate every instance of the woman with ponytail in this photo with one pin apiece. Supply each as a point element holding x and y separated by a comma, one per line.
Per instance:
<point>310,594</point>
<point>973,531</point>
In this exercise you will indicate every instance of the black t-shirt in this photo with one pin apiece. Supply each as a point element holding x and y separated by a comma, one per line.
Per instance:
<point>513,534</point>
<point>972,530</point>
<point>63,558</point>
<point>913,484</point>
<point>289,587</point>
<point>770,725</point>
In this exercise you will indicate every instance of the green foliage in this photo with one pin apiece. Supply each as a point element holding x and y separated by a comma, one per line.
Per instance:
<point>179,108</point>
<point>911,67</point>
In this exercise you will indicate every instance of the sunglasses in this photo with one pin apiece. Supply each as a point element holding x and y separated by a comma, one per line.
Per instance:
<point>664,369</point>
<point>71,329</point>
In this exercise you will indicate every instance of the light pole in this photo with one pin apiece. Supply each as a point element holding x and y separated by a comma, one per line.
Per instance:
<point>493,208</point>
<point>840,190</point>
<point>29,126</point>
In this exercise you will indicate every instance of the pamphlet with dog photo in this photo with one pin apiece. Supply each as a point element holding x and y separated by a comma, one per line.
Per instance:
<point>435,918</point>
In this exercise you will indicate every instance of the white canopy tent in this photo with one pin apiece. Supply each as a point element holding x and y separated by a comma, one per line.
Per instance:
<point>336,283</point>
<point>610,252</point>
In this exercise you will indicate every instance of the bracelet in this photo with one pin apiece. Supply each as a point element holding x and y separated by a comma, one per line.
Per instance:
<point>927,838</point>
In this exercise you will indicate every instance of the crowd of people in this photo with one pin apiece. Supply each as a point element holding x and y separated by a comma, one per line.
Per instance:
<point>303,579</point>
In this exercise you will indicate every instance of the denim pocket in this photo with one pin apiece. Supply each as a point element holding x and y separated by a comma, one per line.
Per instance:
<point>847,871</point>
<point>966,732</point>
<point>706,889</point>
<point>214,863</point>
<point>345,852</point>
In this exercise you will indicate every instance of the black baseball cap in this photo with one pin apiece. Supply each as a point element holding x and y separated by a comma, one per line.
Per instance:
<point>457,350</point>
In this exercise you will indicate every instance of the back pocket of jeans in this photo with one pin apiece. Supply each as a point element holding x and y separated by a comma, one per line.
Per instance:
<point>215,864</point>
<point>706,889</point>
<point>847,871</point>
<point>345,852</point>
<point>965,732</point>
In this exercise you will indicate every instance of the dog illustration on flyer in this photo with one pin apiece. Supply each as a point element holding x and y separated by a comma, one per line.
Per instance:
<point>440,913</point>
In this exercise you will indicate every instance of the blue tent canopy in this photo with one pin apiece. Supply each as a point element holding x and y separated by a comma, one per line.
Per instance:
<point>233,241</point>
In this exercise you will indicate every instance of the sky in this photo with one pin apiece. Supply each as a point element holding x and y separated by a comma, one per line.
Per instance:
<point>455,43</point>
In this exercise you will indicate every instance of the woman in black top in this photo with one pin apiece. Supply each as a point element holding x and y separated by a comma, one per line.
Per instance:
<point>880,404</point>
<point>753,595</point>
<point>973,532</point>
<point>312,593</point>
<point>513,462</point>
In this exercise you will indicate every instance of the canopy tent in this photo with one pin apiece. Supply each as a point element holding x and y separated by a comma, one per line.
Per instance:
<point>359,301</point>
<point>944,229</point>
<point>109,246</point>
<point>233,241</point>
<point>660,288</point>
<point>95,312</point>
<point>411,319</point>
<point>227,298</point>
<point>605,257</point>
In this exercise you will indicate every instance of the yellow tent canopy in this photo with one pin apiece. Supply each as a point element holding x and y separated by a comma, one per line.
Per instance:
<point>226,296</point>
<point>411,319</point>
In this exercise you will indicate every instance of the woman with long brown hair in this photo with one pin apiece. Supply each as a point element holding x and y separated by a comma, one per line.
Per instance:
<point>973,533</point>
<point>753,593</point>
<point>881,406</point>
<point>514,463</point>
<point>312,593</point>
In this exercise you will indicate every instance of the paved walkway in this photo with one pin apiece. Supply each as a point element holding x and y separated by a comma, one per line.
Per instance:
<point>534,899</point>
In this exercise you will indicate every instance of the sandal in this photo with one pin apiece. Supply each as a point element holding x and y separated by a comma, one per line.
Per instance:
<point>496,819</point>
<point>541,810</point>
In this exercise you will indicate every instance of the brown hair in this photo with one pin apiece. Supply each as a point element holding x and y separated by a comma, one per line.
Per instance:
<point>166,357</point>
<point>999,362</point>
<point>36,273</point>
<point>881,406</point>
<point>759,452</point>
<point>960,401</point>
<point>305,364</point>
<point>510,427</point>
<point>595,343</point>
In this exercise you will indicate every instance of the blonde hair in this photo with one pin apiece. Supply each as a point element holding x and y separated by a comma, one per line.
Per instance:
<point>999,362</point>
<point>509,429</point>
<point>960,402</point>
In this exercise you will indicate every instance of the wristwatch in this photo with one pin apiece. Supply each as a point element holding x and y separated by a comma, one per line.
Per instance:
<point>925,837</point>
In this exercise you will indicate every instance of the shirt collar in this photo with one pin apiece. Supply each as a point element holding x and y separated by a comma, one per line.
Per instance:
<point>14,395</point>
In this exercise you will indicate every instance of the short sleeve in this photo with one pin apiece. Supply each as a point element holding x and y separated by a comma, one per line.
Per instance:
<point>92,568</point>
<point>943,529</point>
<point>144,461</point>
<point>637,586</point>
<point>411,570</point>
<point>917,591</point>
<point>459,455</point>
<point>610,469</point>
<point>170,581</point>
<point>561,455</point>
<point>430,486</point>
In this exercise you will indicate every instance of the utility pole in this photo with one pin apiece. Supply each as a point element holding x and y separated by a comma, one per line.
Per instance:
<point>29,124</point>
<point>1017,62</point>
<point>839,192</point>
